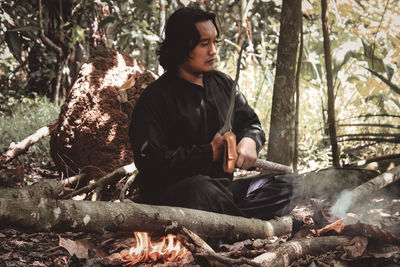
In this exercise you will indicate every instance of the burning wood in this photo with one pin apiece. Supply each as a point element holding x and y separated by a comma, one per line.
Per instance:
<point>168,249</point>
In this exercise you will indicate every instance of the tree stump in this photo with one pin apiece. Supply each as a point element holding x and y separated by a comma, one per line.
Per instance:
<point>92,129</point>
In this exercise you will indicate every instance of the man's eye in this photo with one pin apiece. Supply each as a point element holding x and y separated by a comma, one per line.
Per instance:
<point>217,41</point>
<point>204,43</point>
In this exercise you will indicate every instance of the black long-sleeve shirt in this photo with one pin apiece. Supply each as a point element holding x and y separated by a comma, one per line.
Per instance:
<point>174,122</point>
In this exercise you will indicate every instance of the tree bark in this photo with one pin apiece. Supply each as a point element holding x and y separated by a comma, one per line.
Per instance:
<point>17,149</point>
<point>297,114</point>
<point>329,79</point>
<point>162,19</point>
<point>288,252</point>
<point>35,208</point>
<point>281,135</point>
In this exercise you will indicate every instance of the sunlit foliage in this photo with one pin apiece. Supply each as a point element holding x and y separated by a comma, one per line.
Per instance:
<point>364,35</point>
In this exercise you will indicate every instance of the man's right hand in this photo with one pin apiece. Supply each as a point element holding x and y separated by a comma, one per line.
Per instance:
<point>217,145</point>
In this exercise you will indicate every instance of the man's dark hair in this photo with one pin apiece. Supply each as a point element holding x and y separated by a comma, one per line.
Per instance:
<point>181,36</point>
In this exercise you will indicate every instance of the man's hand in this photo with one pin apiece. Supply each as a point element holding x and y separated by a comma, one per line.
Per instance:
<point>218,147</point>
<point>247,153</point>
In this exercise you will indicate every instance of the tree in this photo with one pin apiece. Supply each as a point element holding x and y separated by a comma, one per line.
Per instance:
<point>52,39</point>
<point>281,135</point>
<point>329,79</point>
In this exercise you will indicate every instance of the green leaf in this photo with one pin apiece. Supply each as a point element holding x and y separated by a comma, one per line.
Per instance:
<point>78,34</point>
<point>123,40</point>
<point>105,21</point>
<point>374,62</point>
<point>144,5</point>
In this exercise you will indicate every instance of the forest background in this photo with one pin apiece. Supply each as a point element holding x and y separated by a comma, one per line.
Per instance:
<point>43,44</point>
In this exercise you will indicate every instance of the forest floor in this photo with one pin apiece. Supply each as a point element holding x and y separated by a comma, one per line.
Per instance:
<point>380,209</point>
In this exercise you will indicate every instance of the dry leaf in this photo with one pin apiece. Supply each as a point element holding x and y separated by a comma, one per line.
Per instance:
<point>373,232</point>
<point>357,247</point>
<point>336,226</point>
<point>80,247</point>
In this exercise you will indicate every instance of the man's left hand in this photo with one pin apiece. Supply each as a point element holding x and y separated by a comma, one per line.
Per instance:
<point>247,153</point>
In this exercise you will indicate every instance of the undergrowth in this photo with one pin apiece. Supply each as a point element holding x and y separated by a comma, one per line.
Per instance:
<point>21,117</point>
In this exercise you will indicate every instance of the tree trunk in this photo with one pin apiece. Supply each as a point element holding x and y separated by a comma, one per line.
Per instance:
<point>329,79</point>
<point>281,135</point>
<point>35,208</point>
<point>162,19</point>
<point>296,123</point>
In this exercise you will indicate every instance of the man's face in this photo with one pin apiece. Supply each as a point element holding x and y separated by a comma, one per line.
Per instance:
<point>201,59</point>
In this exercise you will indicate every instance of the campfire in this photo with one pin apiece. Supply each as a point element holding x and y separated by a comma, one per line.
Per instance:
<point>167,249</point>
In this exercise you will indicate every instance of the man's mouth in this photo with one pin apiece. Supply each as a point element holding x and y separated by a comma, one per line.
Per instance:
<point>211,61</point>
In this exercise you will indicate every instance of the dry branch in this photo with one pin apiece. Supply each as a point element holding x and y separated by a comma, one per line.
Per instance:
<point>289,252</point>
<point>35,208</point>
<point>375,184</point>
<point>127,185</point>
<point>371,160</point>
<point>17,149</point>
<point>105,180</point>
<point>347,198</point>
<point>192,241</point>
<point>73,179</point>
<point>226,261</point>
<point>269,165</point>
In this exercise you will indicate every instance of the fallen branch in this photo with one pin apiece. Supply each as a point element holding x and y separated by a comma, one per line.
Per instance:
<point>193,242</point>
<point>226,261</point>
<point>200,249</point>
<point>73,179</point>
<point>105,180</point>
<point>371,160</point>
<point>291,251</point>
<point>127,185</point>
<point>19,148</point>
<point>35,208</point>
<point>347,198</point>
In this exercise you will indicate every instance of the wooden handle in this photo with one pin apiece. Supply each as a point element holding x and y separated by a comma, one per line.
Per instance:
<point>230,154</point>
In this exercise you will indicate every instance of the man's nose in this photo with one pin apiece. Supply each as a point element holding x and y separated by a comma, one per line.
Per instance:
<point>213,49</point>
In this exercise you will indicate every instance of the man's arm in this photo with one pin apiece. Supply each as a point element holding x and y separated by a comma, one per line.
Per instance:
<point>248,130</point>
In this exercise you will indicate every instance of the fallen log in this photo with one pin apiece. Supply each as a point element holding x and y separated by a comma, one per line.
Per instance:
<point>19,148</point>
<point>291,251</point>
<point>35,208</point>
<point>348,198</point>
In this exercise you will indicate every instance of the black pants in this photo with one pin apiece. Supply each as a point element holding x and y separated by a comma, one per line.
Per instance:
<point>263,197</point>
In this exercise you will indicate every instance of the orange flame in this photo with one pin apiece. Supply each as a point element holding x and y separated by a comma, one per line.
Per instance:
<point>168,249</point>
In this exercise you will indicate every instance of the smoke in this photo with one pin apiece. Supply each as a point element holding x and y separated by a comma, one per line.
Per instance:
<point>342,205</point>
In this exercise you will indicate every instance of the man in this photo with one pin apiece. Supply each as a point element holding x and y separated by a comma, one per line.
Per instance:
<point>174,129</point>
